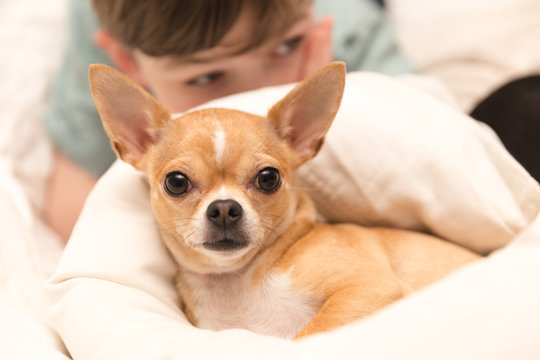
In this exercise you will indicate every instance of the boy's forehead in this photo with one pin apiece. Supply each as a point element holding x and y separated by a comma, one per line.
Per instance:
<point>239,37</point>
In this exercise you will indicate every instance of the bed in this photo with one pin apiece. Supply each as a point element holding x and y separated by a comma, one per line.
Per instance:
<point>477,196</point>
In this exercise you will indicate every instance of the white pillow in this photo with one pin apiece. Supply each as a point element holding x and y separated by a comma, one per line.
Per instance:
<point>394,156</point>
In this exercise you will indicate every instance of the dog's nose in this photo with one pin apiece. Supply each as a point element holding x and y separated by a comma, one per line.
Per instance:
<point>224,213</point>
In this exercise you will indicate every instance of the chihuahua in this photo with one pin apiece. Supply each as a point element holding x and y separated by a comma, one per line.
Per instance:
<point>241,229</point>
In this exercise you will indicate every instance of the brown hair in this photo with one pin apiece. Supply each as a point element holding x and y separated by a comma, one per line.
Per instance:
<point>176,27</point>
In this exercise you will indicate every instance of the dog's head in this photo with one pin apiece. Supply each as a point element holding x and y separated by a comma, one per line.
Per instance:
<point>221,180</point>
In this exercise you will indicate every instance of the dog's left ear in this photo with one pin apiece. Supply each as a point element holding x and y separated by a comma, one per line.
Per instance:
<point>305,114</point>
<point>130,115</point>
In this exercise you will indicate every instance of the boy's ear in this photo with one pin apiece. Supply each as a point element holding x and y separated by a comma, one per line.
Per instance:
<point>305,114</point>
<point>121,58</point>
<point>131,117</point>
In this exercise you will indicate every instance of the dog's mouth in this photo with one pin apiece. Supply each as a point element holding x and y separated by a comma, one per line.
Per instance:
<point>226,244</point>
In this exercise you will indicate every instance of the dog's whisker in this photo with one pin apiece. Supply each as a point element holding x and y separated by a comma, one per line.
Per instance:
<point>262,208</point>
<point>263,216</point>
<point>181,221</point>
<point>189,235</point>
<point>267,227</point>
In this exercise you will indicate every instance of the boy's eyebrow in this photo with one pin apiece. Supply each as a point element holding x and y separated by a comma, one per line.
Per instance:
<point>194,59</point>
<point>202,57</point>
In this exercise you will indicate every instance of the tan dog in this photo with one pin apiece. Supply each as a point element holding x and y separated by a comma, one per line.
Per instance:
<point>242,231</point>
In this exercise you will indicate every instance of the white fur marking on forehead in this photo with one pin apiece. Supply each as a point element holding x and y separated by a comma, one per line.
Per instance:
<point>219,143</point>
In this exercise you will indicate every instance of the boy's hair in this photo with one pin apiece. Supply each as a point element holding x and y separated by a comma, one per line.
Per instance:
<point>183,27</point>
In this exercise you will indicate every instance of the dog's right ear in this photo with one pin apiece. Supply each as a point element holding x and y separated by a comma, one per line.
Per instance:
<point>130,115</point>
<point>304,115</point>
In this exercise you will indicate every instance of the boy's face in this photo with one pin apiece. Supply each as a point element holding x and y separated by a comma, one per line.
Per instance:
<point>181,83</point>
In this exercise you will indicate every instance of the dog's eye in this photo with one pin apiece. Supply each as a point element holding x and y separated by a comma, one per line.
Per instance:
<point>176,183</point>
<point>268,179</point>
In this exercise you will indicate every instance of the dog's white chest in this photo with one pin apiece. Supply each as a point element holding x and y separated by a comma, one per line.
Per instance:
<point>271,308</point>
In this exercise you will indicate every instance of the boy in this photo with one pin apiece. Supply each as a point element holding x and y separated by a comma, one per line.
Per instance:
<point>189,52</point>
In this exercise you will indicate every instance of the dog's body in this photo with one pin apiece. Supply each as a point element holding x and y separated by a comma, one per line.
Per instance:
<point>240,227</point>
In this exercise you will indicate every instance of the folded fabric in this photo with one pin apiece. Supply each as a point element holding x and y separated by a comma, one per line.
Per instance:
<point>395,157</point>
<point>25,337</point>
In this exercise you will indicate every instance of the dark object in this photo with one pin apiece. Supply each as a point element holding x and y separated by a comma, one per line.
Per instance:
<point>513,111</point>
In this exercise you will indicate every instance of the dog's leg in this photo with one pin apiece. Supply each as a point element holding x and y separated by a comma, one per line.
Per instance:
<point>352,303</point>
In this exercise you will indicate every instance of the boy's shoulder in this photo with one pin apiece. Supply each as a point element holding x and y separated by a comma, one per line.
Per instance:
<point>71,119</point>
<point>364,36</point>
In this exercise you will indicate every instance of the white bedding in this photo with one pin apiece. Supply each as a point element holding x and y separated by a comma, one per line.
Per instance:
<point>31,34</point>
<point>130,307</point>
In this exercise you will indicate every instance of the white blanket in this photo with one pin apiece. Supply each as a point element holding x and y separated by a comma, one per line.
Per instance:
<point>393,156</point>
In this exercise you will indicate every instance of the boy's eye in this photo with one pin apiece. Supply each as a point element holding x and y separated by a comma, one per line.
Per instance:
<point>206,79</point>
<point>287,46</point>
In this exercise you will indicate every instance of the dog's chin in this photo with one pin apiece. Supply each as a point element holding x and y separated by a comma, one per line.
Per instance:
<point>226,255</point>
